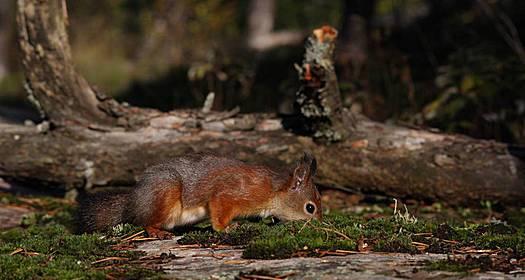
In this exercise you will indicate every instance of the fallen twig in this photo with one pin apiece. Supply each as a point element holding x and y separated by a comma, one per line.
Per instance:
<point>16,251</point>
<point>133,235</point>
<point>144,239</point>
<point>24,252</point>
<point>334,231</point>
<point>110,259</point>
<point>420,246</point>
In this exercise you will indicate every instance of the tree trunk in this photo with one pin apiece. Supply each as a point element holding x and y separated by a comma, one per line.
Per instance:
<point>46,59</point>
<point>98,142</point>
<point>5,26</point>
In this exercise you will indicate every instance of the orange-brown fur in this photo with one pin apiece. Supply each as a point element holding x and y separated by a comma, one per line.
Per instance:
<point>167,201</point>
<point>226,204</point>
<point>189,189</point>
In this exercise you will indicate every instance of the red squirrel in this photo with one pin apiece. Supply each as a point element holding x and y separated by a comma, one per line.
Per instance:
<point>191,188</point>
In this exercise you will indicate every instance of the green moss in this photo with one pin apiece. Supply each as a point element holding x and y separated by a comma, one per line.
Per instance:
<point>399,244</point>
<point>47,248</point>
<point>31,267</point>
<point>515,242</point>
<point>496,235</point>
<point>240,235</point>
<point>52,251</point>
<point>46,267</point>
<point>7,198</point>
<point>271,248</point>
<point>123,230</point>
<point>337,232</point>
<point>450,265</point>
<point>474,263</point>
<point>344,231</point>
<point>516,217</point>
<point>65,217</point>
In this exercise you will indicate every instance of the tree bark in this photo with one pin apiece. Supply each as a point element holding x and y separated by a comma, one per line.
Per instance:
<point>227,263</point>
<point>97,142</point>
<point>383,159</point>
<point>46,58</point>
<point>319,99</point>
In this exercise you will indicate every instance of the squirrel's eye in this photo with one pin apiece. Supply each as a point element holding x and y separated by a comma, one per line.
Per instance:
<point>310,208</point>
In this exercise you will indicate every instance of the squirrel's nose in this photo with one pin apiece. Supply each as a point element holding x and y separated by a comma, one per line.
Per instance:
<point>319,215</point>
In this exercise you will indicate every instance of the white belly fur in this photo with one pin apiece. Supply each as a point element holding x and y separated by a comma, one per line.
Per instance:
<point>193,215</point>
<point>181,217</point>
<point>265,213</point>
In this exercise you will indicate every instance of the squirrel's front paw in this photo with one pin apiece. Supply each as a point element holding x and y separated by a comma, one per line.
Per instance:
<point>158,233</point>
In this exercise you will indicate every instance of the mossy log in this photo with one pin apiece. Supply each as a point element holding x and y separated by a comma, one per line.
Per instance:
<point>226,263</point>
<point>93,141</point>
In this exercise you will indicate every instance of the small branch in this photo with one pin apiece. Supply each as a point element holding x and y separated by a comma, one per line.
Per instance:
<point>110,259</point>
<point>334,231</point>
<point>208,103</point>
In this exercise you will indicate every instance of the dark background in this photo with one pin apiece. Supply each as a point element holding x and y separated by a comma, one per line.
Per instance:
<point>458,66</point>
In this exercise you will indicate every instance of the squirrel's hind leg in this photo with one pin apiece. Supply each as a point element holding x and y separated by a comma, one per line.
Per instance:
<point>167,212</point>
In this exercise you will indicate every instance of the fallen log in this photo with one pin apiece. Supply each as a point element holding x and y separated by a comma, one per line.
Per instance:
<point>395,161</point>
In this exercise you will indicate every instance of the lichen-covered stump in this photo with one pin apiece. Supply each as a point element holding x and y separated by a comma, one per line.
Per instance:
<point>319,100</point>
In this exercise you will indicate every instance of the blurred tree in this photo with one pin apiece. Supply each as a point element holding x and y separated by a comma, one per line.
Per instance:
<point>5,32</point>
<point>352,48</point>
<point>261,34</point>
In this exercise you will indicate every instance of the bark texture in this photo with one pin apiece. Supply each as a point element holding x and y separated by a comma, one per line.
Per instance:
<point>94,142</point>
<point>46,56</point>
<point>383,159</point>
<point>319,98</point>
<point>225,262</point>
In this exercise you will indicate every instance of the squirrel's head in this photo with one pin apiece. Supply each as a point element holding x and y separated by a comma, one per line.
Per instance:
<point>299,199</point>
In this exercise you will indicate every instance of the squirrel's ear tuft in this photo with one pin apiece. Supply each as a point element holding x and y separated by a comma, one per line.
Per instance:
<point>304,170</point>
<point>309,160</point>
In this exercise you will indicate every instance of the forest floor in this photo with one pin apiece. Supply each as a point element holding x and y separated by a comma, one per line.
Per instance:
<point>356,240</point>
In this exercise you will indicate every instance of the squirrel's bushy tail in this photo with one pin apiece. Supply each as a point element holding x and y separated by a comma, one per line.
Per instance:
<point>101,211</point>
